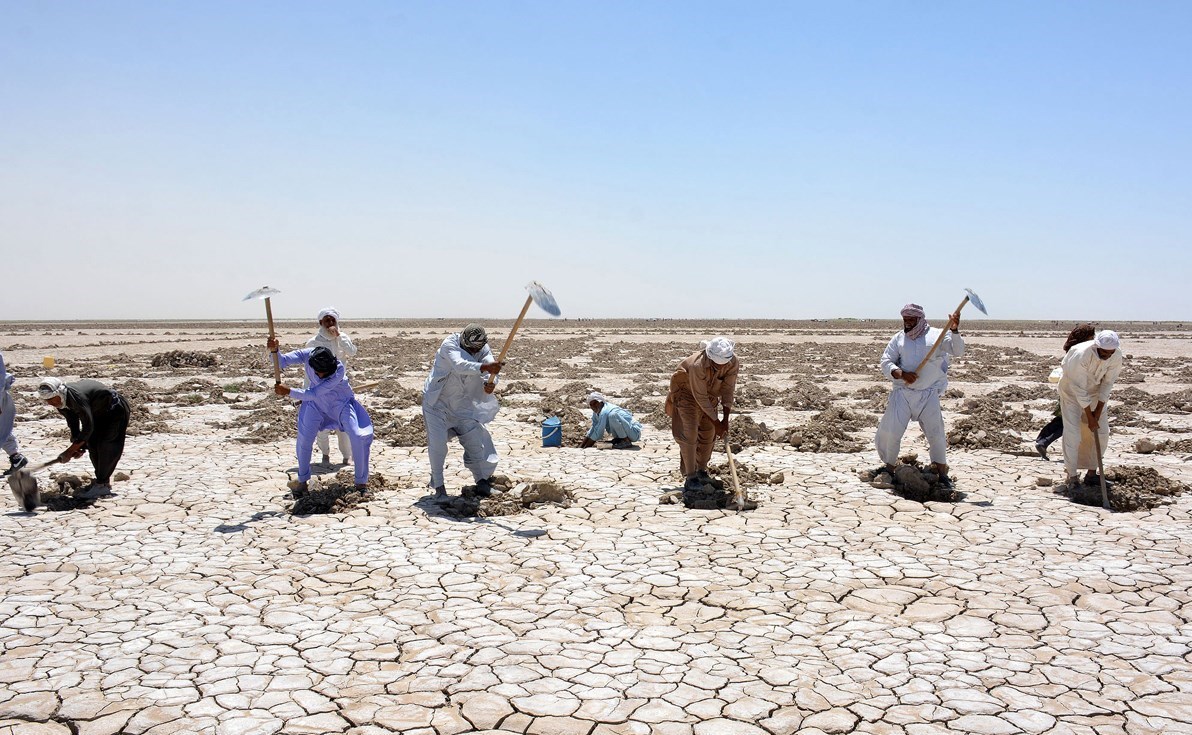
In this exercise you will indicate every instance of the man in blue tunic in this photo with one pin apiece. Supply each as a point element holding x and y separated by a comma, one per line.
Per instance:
<point>328,403</point>
<point>611,419</point>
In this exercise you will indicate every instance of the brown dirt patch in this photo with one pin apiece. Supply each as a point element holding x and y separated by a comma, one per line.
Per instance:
<point>508,498</point>
<point>337,493</point>
<point>1131,488</point>
<point>183,359</point>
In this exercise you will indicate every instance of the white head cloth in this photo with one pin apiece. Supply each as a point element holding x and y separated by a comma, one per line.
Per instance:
<point>50,387</point>
<point>329,311</point>
<point>597,396</point>
<point>719,349</point>
<point>1107,340</point>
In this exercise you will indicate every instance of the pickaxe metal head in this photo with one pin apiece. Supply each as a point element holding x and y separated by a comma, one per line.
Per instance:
<point>545,299</point>
<point>976,301</point>
<point>263,292</point>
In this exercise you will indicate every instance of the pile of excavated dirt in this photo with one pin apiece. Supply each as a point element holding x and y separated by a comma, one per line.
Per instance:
<point>389,388</point>
<point>807,396</point>
<point>197,391</point>
<point>1130,488</point>
<point>183,359</point>
<point>1177,402</point>
<point>743,432</point>
<point>336,494</point>
<point>270,419</point>
<point>1020,394</point>
<point>913,482</point>
<point>1170,446</point>
<point>404,432</point>
<point>507,498</point>
<point>830,431</point>
<point>754,395</point>
<point>656,416</point>
<point>989,426</point>
<point>137,394</point>
<point>748,476</point>
<point>873,398</point>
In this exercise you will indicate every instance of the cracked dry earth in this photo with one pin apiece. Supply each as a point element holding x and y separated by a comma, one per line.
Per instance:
<point>191,602</point>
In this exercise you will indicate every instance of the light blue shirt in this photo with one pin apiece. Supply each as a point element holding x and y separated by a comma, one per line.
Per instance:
<point>600,420</point>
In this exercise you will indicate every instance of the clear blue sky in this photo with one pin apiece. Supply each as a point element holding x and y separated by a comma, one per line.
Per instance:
<point>695,159</point>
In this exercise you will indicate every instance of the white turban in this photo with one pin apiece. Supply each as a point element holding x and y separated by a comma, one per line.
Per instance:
<point>719,350</point>
<point>329,311</point>
<point>597,396</point>
<point>1107,340</point>
<point>50,387</point>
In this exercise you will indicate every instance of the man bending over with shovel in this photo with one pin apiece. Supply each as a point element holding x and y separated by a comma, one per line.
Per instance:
<point>98,421</point>
<point>916,395</point>
<point>328,403</point>
<point>457,401</point>
<point>702,381</point>
<point>1090,369</point>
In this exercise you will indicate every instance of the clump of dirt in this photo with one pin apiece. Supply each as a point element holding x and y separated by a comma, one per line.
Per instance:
<point>517,386</point>
<point>197,392</point>
<point>743,432</point>
<point>954,393</point>
<point>405,432</point>
<point>1177,402</point>
<point>807,396</point>
<point>657,417</point>
<point>1130,488</point>
<point>829,431</point>
<point>874,398</point>
<point>748,476</point>
<point>714,494</point>
<point>507,498</point>
<point>137,394</point>
<point>267,420</point>
<point>389,388</point>
<point>1149,446</point>
<point>913,482</point>
<point>336,494</point>
<point>1017,393</point>
<point>752,395</point>
<point>183,359</point>
<point>988,426</point>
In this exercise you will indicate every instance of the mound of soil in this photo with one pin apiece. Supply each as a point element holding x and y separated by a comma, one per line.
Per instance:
<point>743,432</point>
<point>1149,446</point>
<point>197,391</point>
<point>508,498</point>
<point>336,494</point>
<point>267,420</point>
<point>807,396</point>
<point>183,359</point>
<point>1178,402</point>
<point>405,432</point>
<point>754,395</point>
<point>988,426</point>
<point>1130,488</point>
<point>1019,394</point>
<point>829,431</point>
<point>748,476</point>
<point>913,482</point>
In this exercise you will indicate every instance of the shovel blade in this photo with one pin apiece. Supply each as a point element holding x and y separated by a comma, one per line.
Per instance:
<point>544,298</point>
<point>976,301</point>
<point>263,292</point>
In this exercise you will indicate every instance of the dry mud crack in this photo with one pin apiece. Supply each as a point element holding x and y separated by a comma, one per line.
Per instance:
<point>192,602</point>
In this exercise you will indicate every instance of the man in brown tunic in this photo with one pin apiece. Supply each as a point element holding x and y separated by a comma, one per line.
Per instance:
<point>703,380</point>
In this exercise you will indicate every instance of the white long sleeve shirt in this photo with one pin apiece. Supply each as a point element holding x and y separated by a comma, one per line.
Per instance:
<point>906,354</point>
<point>456,383</point>
<point>1087,378</point>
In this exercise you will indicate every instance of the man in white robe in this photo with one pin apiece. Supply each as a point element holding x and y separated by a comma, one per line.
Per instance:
<point>917,395</point>
<point>340,345</point>
<point>457,401</point>
<point>1090,369</point>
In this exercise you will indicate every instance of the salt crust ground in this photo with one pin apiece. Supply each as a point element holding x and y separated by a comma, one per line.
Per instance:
<point>191,603</point>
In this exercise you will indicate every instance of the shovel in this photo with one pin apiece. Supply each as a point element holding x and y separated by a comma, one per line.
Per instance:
<point>24,486</point>
<point>538,295</point>
<point>980,307</point>
<point>738,501</point>
<point>1101,472</point>
<point>265,292</point>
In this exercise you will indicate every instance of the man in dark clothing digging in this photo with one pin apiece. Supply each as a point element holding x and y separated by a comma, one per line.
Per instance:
<point>98,421</point>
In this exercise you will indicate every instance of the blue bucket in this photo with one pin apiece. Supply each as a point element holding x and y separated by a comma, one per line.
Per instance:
<point>552,432</point>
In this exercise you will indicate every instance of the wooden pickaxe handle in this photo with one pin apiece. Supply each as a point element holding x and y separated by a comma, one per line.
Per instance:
<point>738,494</point>
<point>272,335</point>
<point>940,338</point>
<point>509,339</point>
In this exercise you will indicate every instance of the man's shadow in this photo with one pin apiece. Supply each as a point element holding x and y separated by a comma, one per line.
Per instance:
<point>428,505</point>
<point>243,525</point>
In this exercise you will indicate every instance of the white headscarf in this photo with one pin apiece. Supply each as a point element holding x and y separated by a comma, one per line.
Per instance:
<point>50,387</point>
<point>1107,340</point>
<point>719,349</point>
<point>597,396</point>
<point>329,311</point>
